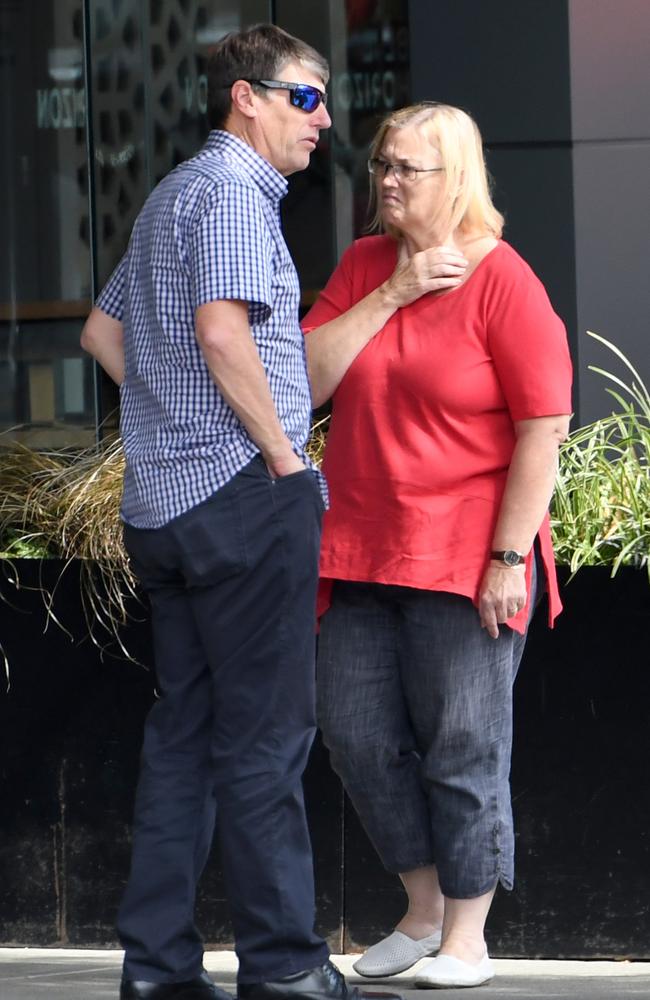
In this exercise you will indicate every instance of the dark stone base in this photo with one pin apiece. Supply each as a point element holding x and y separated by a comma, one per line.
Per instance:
<point>70,731</point>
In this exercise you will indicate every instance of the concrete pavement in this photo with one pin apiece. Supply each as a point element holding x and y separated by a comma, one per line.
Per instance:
<point>43,974</point>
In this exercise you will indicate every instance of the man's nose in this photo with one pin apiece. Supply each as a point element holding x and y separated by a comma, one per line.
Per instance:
<point>321,117</point>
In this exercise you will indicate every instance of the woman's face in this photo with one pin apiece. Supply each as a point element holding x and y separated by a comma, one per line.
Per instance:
<point>409,205</point>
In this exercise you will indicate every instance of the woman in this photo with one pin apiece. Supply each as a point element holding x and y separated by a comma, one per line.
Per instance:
<point>450,379</point>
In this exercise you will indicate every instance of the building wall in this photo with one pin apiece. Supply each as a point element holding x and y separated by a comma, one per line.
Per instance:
<point>609,44</point>
<point>560,91</point>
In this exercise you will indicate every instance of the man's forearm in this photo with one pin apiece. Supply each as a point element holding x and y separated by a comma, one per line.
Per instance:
<point>230,353</point>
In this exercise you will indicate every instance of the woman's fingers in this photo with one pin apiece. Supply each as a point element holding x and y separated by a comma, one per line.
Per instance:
<point>440,264</point>
<point>426,271</point>
<point>502,596</point>
<point>445,257</point>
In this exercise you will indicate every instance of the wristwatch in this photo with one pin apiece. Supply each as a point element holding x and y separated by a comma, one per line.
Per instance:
<point>508,557</point>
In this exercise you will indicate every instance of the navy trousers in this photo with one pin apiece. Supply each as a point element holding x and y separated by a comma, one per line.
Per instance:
<point>232,586</point>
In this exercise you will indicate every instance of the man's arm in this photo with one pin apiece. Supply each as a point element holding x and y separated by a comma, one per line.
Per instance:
<point>224,336</point>
<point>103,337</point>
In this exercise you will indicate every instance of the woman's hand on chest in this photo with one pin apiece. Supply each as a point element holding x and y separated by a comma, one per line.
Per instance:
<point>426,271</point>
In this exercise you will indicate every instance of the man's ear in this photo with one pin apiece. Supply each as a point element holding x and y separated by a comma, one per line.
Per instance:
<point>243,98</point>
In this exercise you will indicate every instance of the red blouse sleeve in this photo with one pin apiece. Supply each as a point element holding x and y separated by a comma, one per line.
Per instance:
<point>528,345</point>
<point>336,298</point>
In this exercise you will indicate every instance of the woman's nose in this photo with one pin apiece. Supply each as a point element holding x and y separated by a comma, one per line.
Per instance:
<point>389,177</point>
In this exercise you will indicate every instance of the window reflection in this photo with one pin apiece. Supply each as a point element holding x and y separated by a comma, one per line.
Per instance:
<point>366,43</point>
<point>118,126</point>
<point>370,78</point>
<point>147,113</point>
<point>180,36</point>
<point>46,395</point>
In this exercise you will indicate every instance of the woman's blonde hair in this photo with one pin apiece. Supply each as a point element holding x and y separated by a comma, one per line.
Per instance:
<point>466,203</point>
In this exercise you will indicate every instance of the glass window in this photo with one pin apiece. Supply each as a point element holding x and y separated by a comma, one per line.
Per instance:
<point>366,43</point>
<point>118,126</point>
<point>370,78</point>
<point>149,100</point>
<point>46,382</point>
<point>72,181</point>
<point>180,35</point>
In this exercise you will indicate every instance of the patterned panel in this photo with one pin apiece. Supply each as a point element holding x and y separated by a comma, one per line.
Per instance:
<point>149,98</point>
<point>118,125</point>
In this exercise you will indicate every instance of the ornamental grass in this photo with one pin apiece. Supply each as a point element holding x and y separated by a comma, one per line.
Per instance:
<point>65,504</point>
<point>600,514</point>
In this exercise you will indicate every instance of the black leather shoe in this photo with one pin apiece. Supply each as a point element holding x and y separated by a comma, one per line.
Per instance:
<point>323,983</point>
<point>201,988</point>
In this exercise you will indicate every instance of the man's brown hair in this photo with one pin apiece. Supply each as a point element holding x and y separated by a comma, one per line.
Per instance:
<point>259,53</point>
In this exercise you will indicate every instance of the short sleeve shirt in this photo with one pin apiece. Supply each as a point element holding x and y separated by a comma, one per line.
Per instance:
<point>422,430</point>
<point>209,231</point>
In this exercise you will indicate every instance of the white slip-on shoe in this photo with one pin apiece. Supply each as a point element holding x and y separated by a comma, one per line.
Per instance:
<point>396,953</point>
<point>445,971</point>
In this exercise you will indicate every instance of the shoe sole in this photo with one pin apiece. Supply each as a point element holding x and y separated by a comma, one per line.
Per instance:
<point>394,970</point>
<point>453,986</point>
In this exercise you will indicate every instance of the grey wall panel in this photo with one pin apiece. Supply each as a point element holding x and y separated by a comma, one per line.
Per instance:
<point>534,189</point>
<point>612,212</point>
<point>505,61</point>
<point>610,68</point>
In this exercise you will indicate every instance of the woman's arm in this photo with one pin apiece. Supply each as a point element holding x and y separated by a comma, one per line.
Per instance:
<point>332,347</point>
<point>526,497</point>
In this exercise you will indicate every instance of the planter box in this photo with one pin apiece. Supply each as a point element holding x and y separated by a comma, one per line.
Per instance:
<point>70,731</point>
<point>70,734</point>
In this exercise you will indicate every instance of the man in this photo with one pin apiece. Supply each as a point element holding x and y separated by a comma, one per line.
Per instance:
<point>222,513</point>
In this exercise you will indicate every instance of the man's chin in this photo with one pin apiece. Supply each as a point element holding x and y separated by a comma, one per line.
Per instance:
<point>299,163</point>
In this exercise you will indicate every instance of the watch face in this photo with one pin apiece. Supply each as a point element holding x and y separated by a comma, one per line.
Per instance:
<point>511,558</point>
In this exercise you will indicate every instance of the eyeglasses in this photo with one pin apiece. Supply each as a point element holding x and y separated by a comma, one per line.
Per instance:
<point>301,95</point>
<point>402,171</point>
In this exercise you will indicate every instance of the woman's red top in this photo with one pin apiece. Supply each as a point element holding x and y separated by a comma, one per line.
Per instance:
<point>422,431</point>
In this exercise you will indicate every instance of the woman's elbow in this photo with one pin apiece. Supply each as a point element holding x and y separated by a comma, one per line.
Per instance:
<point>540,430</point>
<point>560,428</point>
<point>320,391</point>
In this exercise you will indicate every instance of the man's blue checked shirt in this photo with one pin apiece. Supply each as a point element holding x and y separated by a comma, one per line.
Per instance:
<point>210,230</point>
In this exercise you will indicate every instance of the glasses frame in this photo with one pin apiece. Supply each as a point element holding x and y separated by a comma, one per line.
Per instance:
<point>321,95</point>
<point>402,171</point>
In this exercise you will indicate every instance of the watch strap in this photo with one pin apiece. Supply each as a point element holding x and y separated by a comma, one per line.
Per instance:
<point>509,557</point>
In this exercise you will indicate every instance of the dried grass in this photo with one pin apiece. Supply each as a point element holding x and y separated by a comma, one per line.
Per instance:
<point>66,505</point>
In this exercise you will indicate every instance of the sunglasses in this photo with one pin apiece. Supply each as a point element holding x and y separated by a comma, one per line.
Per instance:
<point>301,95</point>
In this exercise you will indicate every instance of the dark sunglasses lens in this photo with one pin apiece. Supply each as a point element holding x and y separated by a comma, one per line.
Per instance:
<point>305,98</point>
